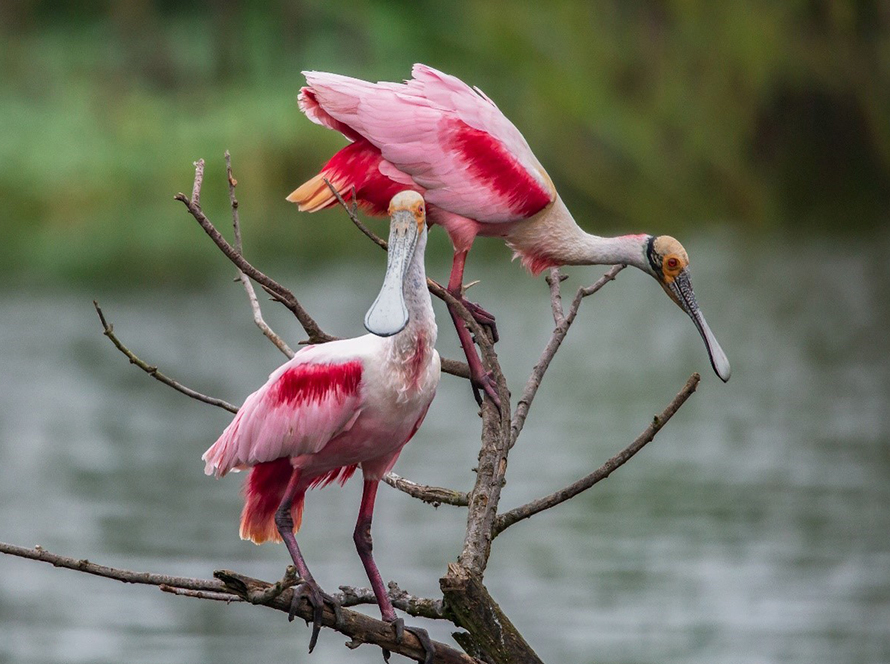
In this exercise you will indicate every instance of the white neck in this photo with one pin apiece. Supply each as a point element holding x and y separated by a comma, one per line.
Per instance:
<point>421,319</point>
<point>553,237</point>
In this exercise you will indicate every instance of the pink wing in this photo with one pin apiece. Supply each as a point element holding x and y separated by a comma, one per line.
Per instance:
<point>302,406</point>
<point>453,141</point>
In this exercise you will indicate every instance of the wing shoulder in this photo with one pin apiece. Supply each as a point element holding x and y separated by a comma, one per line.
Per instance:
<point>306,402</point>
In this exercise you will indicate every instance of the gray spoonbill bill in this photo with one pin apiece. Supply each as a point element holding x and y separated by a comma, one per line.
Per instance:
<point>438,136</point>
<point>337,406</point>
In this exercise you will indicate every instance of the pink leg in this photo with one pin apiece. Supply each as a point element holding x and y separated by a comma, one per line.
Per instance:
<point>478,376</point>
<point>455,287</point>
<point>308,588</point>
<point>364,545</point>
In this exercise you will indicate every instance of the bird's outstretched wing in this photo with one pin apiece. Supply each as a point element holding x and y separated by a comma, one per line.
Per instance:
<point>303,405</point>
<point>449,138</point>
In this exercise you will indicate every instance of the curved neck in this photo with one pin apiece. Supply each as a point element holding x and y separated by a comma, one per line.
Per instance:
<point>421,319</point>
<point>552,238</point>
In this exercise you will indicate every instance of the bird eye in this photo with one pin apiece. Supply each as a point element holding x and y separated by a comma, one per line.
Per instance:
<point>672,263</point>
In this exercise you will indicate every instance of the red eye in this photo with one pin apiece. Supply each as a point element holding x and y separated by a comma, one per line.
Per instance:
<point>672,263</point>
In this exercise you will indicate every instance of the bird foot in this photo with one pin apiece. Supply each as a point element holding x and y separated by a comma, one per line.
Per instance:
<point>312,593</point>
<point>485,382</point>
<point>422,635</point>
<point>484,318</point>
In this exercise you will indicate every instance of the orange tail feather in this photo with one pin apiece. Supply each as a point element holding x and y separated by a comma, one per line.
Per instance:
<point>263,491</point>
<point>314,195</point>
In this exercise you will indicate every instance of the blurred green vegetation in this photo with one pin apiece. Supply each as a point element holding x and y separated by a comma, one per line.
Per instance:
<point>656,115</point>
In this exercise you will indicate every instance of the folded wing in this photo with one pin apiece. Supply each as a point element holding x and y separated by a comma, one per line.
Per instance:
<point>449,138</point>
<point>302,406</point>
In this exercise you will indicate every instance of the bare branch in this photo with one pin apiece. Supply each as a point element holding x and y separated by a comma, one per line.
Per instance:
<point>199,181</point>
<point>352,212</point>
<point>507,519</point>
<point>360,627</point>
<point>200,594</point>
<point>230,586</point>
<point>286,297</point>
<point>153,371</point>
<point>476,611</point>
<point>289,580</point>
<point>553,279</point>
<point>127,576</point>
<point>434,495</point>
<point>410,604</point>
<point>270,334</point>
<point>556,339</point>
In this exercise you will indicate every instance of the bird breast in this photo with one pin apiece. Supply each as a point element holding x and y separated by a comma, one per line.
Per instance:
<point>411,368</point>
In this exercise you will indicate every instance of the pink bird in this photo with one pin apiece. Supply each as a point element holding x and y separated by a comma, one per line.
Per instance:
<point>340,405</point>
<point>436,135</point>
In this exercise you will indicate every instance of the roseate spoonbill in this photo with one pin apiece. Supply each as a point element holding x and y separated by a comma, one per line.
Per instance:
<point>451,143</point>
<point>339,405</point>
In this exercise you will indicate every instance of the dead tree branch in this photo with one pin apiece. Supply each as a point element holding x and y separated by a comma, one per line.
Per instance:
<point>108,331</point>
<point>269,333</point>
<point>507,519</point>
<point>282,294</point>
<point>127,576</point>
<point>434,495</point>
<point>230,586</point>
<point>476,611</point>
<point>360,627</point>
<point>563,323</point>
<point>410,604</point>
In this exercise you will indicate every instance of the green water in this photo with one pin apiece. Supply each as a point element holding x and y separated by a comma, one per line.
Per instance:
<point>754,529</point>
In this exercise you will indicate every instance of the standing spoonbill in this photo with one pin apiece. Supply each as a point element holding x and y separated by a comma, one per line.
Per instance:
<point>339,405</point>
<point>436,135</point>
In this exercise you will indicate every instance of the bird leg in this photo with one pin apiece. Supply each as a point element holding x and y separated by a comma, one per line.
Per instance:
<point>479,378</point>
<point>308,588</point>
<point>364,545</point>
<point>456,288</point>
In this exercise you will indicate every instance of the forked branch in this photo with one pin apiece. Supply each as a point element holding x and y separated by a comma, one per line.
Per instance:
<point>507,519</point>
<point>269,333</point>
<point>286,297</point>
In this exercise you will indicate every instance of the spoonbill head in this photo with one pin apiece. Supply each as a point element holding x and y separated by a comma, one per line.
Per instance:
<point>668,262</point>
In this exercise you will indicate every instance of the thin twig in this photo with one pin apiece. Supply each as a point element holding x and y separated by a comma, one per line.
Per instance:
<point>410,604</point>
<point>507,519</point>
<point>124,575</point>
<point>433,495</point>
<point>556,339</point>
<point>266,595</point>
<point>553,279</point>
<point>285,296</point>
<point>199,181</point>
<point>352,212</point>
<point>200,594</point>
<point>270,334</point>
<point>108,331</point>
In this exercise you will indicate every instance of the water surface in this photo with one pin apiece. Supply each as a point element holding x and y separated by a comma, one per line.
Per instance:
<point>754,529</point>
